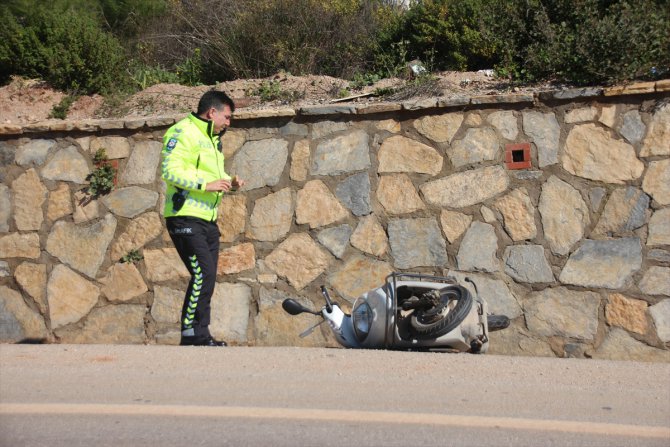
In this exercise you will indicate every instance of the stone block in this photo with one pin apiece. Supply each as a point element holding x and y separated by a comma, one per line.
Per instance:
<point>117,324</point>
<point>527,264</point>
<point>32,278</point>
<point>481,184</point>
<point>70,296</point>
<point>142,164</point>
<point>378,108</point>
<point>166,308</point>
<point>115,147</point>
<point>34,152</point>
<point>342,154</point>
<point>358,275</point>
<point>298,259</point>
<point>633,128</point>
<point>328,110</point>
<point>656,181</point>
<point>130,201</point>
<point>397,195</point>
<point>417,243</point>
<point>659,228</point>
<point>82,247</point>
<point>580,115</point>
<point>60,203</point>
<point>564,215</point>
<point>335,239</point>
<point>545,132</point>
<point>317,206</point>
<point>321,129</point>
<point>627,313</point>
<point>15,245</point>
<point>260,163</point>
<point>518,214</point>
<point>123,283</point>
<point>139,232</point>
<point>164,265</point>
<point>478,145</point>
<point>607,264</point>
<point>402,154</point>
<point>590,152</point>
<point>626,210</point>
<point>370,237</point>
<point>18,322</point>
<point>661,315</point>
<point>300,161</point>
<point>354,193</point>
<point>29,194</point>
<point>236,259</point>
<point>274,327</point>
<point>560,312</point>
<point>618,345</point>
<point>656,281</point>
<point>5,208</point>
<point>657,139</point>
<point>272,216</point>
<point>232,216</point>
<point>505,123</point>
<point>478,249</point>
<point>230,312</point>
<point>439,128</point>
<point>454,224</point>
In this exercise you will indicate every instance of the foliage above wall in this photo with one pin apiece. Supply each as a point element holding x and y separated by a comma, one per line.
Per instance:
<point>117,45</point>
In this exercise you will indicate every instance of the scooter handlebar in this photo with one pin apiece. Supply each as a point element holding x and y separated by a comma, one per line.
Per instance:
<point>329,303</point>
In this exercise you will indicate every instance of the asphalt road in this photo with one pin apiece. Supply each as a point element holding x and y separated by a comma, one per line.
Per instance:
<point>102,395</point>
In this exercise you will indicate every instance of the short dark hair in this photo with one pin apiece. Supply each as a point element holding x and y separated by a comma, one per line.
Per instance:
<point>216,99</point>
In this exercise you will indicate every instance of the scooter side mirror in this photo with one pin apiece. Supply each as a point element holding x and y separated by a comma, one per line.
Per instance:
<point>295,308</point>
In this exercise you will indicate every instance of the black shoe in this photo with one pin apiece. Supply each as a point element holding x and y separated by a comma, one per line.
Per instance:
<point>211,342</point>
<point>200,341</point>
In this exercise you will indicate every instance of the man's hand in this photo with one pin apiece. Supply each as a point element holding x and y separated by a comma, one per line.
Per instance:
<point>237,183</point>
<point>218,185</point>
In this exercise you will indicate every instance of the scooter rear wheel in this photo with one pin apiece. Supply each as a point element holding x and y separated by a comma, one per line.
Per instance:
<point>437,321</point>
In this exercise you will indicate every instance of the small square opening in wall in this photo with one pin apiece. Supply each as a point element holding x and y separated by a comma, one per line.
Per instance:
<point>517,156</point>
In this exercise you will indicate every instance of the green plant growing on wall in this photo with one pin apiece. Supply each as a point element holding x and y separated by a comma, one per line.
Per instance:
<point>133,256</point>
<point>59,111</point>
<point>271,91</point>
<point>101,180</point>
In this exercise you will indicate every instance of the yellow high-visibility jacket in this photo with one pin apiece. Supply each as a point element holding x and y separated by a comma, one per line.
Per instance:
<point>191,158</point>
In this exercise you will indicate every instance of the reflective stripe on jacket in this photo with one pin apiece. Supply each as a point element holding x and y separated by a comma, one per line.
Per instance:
<point>190,160</point>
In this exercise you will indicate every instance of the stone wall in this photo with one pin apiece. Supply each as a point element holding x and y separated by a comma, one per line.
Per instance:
<point>575,247</point>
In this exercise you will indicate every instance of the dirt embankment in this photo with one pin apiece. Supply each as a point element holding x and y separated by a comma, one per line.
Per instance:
<point>25,101</point>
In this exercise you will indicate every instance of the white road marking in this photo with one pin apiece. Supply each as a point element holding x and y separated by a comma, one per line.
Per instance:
<point>351,416</point>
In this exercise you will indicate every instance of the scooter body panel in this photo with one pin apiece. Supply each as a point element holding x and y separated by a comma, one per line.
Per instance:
<point>389,326</point>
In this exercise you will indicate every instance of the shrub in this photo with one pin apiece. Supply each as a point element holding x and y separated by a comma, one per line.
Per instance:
<point>258,38</point>
<point>582,42</point>
<point>443,34</point>
<point>65,48</point>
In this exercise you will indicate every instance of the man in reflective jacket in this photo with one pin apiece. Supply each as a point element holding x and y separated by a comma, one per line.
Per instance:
<point>193,169</point>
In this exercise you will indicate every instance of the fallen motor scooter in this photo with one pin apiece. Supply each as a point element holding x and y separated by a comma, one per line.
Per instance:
<point>411,312</point>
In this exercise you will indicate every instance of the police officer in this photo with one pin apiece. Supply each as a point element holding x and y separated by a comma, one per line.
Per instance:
<point>193,169</point>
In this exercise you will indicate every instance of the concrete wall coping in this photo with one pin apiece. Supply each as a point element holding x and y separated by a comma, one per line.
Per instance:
<point>133,123</point>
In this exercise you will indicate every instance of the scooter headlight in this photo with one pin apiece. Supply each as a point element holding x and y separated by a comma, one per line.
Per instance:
<point>362,319</point>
